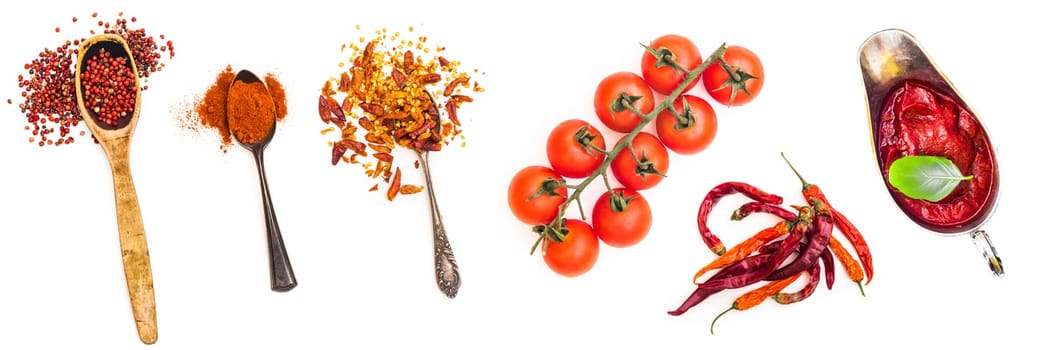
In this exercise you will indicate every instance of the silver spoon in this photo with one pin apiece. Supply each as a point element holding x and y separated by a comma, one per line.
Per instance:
<point>446,273</point>
<point>282,278</point>
<point>891,56</point>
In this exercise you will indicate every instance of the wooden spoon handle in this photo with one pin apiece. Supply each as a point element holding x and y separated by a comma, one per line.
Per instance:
<point>133,248</point>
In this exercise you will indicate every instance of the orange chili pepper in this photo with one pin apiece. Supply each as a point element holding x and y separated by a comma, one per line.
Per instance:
<point>852,266</point>
<point>757,296</point>
<point>745,248</point>
<point>811,191</point>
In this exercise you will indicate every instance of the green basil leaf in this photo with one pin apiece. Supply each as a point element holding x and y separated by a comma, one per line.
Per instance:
<point>930,178</point>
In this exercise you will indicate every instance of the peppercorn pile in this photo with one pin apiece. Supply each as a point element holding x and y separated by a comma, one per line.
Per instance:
<point>798,245</point>
<point>49,100</point>
<point>109,87</point>
<point>386,93</point>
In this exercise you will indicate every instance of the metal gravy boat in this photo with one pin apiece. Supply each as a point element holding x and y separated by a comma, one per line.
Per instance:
<point>889,57</point>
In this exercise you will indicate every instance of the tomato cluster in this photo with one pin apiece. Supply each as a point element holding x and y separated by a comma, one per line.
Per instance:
<point>625,102</point>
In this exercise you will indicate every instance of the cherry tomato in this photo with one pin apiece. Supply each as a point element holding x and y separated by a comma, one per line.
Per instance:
<point>693,132</point>
<point>665,78</point>
<point>622,219</point>
<point>654,163</point>
<point>525,184</point>
<point>567,150</point>
<point>576,254</point>
<point>741,88</point>
<point>610,90</point>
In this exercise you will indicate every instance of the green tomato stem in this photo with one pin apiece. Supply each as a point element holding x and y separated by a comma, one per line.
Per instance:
<point>691,76</point>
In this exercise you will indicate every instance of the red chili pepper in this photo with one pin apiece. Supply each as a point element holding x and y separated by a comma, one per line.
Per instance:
<point>703,292</point>
<point>787,298</point>
<point>816,244</point>
<point>829,266</point>
<point>811,191</point>
<point>756,207</point>
<point>713,196</point>
<point>745,248</point>
<point>784,250</point>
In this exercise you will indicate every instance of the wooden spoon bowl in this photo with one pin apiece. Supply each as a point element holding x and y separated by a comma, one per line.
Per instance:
<point>115,141</point>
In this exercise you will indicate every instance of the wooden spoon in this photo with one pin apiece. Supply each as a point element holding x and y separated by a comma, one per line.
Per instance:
<point>115,141</point>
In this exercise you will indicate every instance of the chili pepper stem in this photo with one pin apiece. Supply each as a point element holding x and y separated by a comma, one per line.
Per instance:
<point>805,184</point>
<point>692,75</point>
<point>861,287</point>
<point>711,328</point>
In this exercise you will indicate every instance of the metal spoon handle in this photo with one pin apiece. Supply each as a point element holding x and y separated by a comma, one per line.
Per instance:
<point>282,278</point>
<point>985,246</point>
<point>446,273</point>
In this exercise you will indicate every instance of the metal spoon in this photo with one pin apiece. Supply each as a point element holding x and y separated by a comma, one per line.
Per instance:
<point>282,278</point>
<point>115,141</point>
<point>446,273</point>
<point>891,56</point>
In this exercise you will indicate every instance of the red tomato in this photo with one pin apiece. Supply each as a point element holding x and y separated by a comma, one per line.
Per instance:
<point>576,254</point>
<point>665,78</point>
<point>654,158</point>
<point>542,209</point>
<point>610,90</point>
<point>623,219</point>
<point>694,132</point>
<point>567,152</point>
<point>741,89</point>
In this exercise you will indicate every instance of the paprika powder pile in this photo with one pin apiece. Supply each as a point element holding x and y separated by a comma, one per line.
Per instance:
<point>208,111</point>
<point>250,111</point>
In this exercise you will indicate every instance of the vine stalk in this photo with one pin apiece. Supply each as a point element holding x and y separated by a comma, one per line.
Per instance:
<point>555,229</point>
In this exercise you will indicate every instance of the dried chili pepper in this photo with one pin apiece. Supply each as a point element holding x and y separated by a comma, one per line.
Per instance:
<point>703,292</point>
<point>814,273</point>
<point>812,191</point>
<point>756,207</point>
<point>745,248</point>
<point>784,248</point>
<point>816,244</point>
<point>829,266</point>
<point>755,297</point>
<point>713,242</point>
<point>851,265</point>
<point>395,185</point>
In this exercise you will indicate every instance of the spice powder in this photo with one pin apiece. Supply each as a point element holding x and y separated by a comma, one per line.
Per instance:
<point>250,111</point>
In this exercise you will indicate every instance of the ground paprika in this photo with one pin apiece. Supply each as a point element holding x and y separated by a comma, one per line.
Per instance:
<point>209,110</point>
<point>250,111</point>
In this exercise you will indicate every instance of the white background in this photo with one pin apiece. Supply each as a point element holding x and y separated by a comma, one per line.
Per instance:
<point>364,264</point>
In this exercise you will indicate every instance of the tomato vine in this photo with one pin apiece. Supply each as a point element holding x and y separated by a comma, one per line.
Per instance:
<point>556,228</point>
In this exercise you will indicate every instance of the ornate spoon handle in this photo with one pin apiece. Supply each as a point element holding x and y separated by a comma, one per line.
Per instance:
<point>446,273</point>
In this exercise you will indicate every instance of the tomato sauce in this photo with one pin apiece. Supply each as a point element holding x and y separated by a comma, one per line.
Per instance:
<point>919,120</point>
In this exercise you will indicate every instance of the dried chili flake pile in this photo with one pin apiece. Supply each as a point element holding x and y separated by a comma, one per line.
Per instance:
<point>394,94</point>
<point>49,100</point>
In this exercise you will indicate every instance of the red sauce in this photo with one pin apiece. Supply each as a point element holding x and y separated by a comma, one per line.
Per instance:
<point>919,120</point>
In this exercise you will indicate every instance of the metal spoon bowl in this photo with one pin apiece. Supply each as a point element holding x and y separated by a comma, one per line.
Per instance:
<point>282,278</point>
<point>891,56</point>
